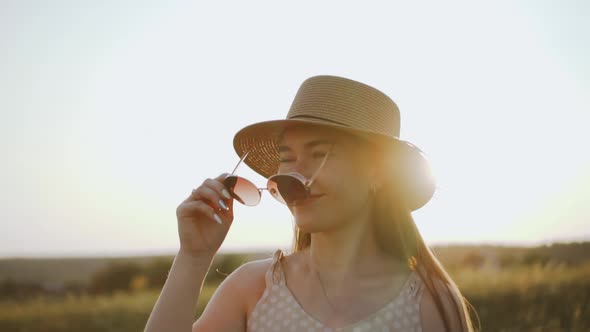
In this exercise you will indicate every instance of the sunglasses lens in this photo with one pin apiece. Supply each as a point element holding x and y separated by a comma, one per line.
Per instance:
<point>242,190</point>
<point>287,189</point>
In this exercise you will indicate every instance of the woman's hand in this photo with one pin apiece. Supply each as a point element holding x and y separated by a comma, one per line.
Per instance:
<point>200,238</point>
<point>204,218</point>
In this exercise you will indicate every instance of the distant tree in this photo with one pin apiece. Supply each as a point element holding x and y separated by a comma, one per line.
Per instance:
<point>536,258</point>
<point>138,283</point>
<point>508,260</point>
<point>223,265</point>
<point>75,287</point>
<point>156,272</point>
<point>117,276</point>
<point>473,259</point>
<point>19,290</point>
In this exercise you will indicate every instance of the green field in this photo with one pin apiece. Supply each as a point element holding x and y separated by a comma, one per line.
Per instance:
<point>512,289</point>
<point>117,313</point>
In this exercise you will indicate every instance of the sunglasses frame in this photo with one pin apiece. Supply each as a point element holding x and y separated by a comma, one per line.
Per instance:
<point>272,185</point>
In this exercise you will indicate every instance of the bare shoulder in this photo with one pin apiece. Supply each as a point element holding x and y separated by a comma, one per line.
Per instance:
<point>247,281</point>
<point>432,320</point>
<point>249,276</point>
<point>235,297</point>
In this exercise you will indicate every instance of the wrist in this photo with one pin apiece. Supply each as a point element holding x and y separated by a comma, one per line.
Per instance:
<point>199,258</point>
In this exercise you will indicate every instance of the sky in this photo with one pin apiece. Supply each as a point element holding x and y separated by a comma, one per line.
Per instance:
<point>112,111</point>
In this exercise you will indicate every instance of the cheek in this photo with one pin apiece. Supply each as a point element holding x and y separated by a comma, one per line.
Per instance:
<point>347,176</point>
<point>346,188</point>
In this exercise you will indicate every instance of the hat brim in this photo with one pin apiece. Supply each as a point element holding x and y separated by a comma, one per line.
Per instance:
<point>260,141</point>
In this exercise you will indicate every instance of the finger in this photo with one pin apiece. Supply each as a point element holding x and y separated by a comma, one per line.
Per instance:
<point>200,209</point>
<point>222,176</point>
<point>224,191</point>
<point>194,209</point>
<point>226,216</point>
<point>211,196</point>
<point>216,184</point>
<point>219,187</point>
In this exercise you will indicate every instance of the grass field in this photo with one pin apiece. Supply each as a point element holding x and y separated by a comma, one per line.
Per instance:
<point>523,297</point>
<point>534,298</point>
<point>117,313</point>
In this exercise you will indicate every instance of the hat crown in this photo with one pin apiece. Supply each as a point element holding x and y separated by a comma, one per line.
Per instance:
<point>348,103</point>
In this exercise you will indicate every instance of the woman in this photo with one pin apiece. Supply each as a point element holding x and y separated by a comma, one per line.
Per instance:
<point>358,261</point>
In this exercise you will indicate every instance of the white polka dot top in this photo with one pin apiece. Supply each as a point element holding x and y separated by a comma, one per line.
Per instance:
<point>277,309</point>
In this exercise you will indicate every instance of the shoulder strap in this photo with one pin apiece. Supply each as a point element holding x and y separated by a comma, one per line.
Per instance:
<point>415,286</point>
<point>274,274</point>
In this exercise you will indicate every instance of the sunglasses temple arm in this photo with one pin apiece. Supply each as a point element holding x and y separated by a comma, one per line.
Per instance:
<point>315,175</point>
<point>240,162</point>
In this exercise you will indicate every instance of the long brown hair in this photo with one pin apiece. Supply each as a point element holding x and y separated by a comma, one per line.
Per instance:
<point>398,235</point>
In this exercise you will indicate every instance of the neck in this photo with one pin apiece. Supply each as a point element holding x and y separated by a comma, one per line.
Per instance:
<point>350,250</point>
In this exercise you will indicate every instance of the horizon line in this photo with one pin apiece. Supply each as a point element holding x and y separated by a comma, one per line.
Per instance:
<point>258,250</point>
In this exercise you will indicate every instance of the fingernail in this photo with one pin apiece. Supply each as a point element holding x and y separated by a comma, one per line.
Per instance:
<point>217,219</point>
<point>222,204</point>
<point>226,194</point>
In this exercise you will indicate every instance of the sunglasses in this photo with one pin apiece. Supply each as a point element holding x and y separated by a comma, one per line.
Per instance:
<point>286,188</point>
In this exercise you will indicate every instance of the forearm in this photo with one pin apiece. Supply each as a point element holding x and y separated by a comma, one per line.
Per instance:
<point>174,310</point>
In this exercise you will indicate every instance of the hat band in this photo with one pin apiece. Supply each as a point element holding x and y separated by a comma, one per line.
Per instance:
<point>318,118</point>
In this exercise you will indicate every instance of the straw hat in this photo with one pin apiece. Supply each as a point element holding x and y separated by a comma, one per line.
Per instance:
<point>349,106</point>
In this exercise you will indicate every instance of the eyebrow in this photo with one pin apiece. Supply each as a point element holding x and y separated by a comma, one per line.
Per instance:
<point>308,145</point>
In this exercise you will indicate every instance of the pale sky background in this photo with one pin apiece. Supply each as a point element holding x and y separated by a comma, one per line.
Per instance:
<point>112,111</point>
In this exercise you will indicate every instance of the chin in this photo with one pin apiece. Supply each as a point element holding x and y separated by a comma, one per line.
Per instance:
<point>309,224</point>
<point>306,224</point>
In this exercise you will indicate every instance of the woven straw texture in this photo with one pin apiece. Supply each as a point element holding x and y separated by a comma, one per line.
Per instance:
<point>346,105</point>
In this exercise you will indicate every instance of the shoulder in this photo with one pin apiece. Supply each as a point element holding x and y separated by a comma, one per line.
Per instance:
<point>235,297</point>
<point>248,281</point>
<point>449,300</point>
